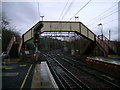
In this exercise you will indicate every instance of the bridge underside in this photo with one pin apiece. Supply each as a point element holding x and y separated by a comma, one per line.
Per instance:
<point>70,42</point>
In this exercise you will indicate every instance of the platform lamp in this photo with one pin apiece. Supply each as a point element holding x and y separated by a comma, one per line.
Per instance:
<point>42,17</point>
<point>76,17</point>
<point>101,25</point>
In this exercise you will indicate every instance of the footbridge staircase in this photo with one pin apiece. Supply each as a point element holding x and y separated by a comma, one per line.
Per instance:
<point>108,47</point>
<point>14,46</point>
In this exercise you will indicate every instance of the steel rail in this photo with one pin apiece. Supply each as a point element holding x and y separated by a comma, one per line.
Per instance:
<point>70,75</point>
<point>78,67</point>
<point>57,79</point>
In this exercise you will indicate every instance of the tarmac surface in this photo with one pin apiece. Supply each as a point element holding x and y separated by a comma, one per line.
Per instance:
<point>23,75</point>
<point>17,75</point>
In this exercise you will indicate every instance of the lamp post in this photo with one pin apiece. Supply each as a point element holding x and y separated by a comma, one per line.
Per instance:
<point>76,17</point>
<point>101,28</point>
<point>42,17</point>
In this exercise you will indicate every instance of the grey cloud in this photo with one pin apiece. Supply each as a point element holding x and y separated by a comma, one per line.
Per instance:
<point>21,14</point>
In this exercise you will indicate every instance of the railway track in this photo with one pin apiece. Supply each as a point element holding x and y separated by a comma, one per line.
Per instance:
<point>66,79</point>
<point>113,80</point>
<point>88,75</point>
<point>105,79</point>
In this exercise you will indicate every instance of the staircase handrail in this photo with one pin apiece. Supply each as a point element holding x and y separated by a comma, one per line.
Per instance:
<point>109,43</point>
<point>20,45</point>
<point>102,45</point>
<point>10,44</point>
<point>105,52</point>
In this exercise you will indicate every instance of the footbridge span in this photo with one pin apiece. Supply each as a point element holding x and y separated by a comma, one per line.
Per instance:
<point>97,44</point>
<point>50,26</point>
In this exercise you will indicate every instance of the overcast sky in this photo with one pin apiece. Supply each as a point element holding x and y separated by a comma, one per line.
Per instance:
<point>23,15</point>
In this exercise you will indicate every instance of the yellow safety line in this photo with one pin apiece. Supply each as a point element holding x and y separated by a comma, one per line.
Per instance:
<point>8,68</point>
<point>10,74</point>
<point>22,65</point>
<point>26,77</point>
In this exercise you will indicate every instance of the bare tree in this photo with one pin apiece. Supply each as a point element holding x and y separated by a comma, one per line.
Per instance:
<point>7,32</point>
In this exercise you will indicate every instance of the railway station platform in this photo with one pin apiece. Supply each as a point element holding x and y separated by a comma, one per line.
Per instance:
<point>43,78</point>
<point>112,60</point>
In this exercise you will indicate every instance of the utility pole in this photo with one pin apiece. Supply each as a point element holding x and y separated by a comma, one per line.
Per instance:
<point>109,35</point>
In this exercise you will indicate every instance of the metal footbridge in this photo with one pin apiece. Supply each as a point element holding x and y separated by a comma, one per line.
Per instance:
<point>101,42</point>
